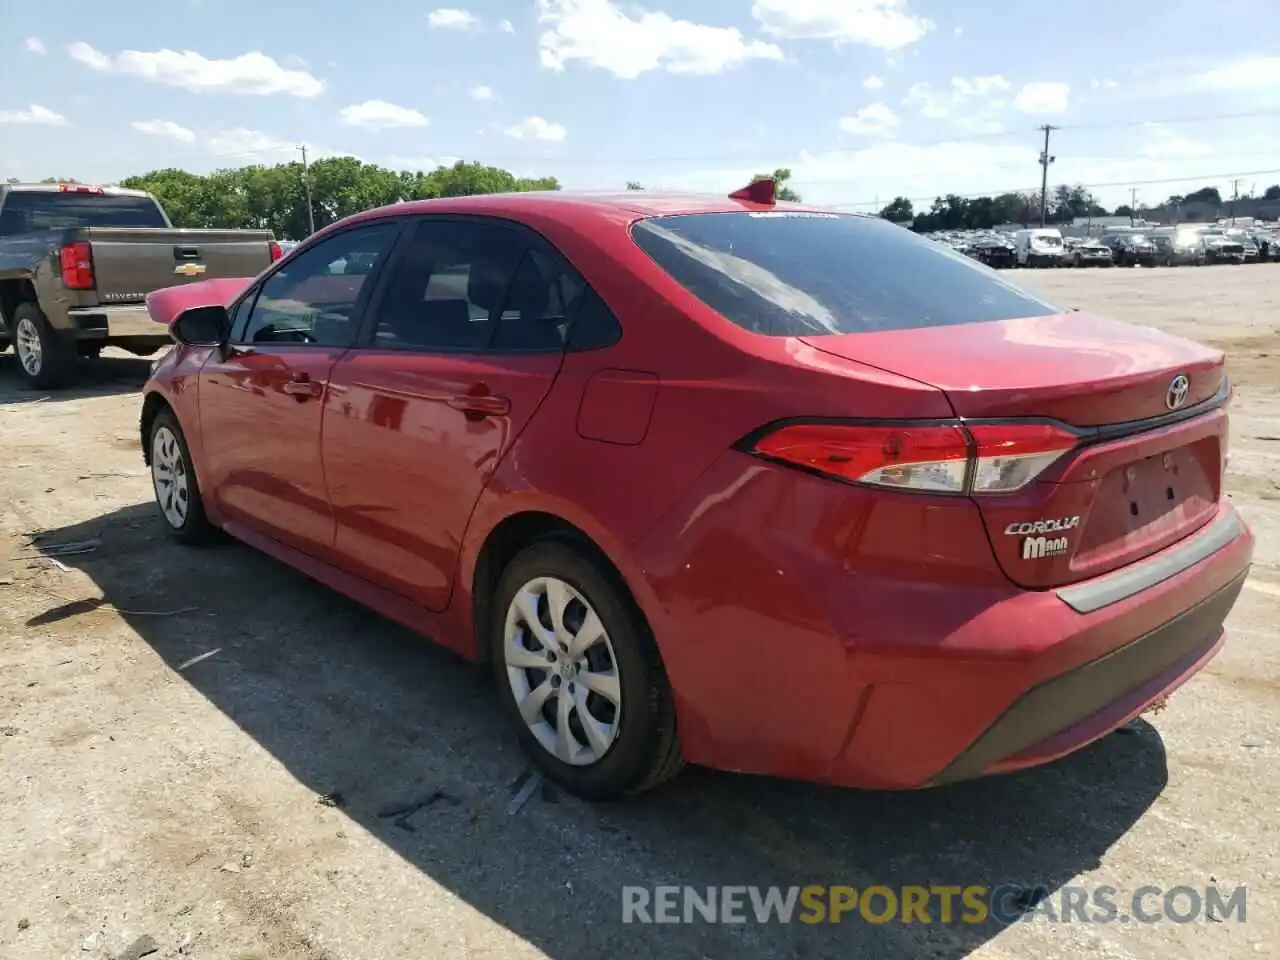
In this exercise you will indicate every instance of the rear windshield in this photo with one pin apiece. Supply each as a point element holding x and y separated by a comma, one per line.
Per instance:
<point>28,211</point>
<point>803,274</point>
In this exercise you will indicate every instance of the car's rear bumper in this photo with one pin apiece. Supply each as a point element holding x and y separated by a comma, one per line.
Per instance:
<point>1097,654</point>
<point>116,323</point>
<point>862,640</point>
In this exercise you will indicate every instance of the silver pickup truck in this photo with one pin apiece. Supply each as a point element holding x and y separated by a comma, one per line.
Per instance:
<point>77,261</point>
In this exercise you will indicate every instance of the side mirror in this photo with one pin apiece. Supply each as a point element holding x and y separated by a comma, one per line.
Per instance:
<point>201,326</point>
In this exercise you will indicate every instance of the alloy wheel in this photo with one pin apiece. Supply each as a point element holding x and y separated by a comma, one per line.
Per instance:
<point>28,347</point>
<point>563,673</point>
<point>169,477</point>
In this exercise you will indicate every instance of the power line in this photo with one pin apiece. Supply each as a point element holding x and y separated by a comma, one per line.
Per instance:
<point>579,160</point>
<point>1131,184</point>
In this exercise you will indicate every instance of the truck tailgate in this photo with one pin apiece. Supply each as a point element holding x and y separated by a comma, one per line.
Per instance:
<point>128,263</point>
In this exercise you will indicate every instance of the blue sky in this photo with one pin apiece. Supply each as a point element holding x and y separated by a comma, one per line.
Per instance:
<point>863,99</point>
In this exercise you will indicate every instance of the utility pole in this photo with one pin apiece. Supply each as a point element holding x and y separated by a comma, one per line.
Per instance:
<point>306,183</point>
<point>1045,160</point>
<point>1133,204</point>
<point>1235,195</point>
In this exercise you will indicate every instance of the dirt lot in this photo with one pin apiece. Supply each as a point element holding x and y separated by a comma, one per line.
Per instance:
<point>205,749</point>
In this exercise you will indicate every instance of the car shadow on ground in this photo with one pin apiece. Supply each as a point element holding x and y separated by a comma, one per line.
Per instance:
<point>408,742</point>
<point>104,376</point>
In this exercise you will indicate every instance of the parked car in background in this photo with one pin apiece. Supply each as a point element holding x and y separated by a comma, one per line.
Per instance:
<point>1131,249</point>
<point>1040,247</point>
<point>996,252</point>
<point>77,261</point>
<point>773,494</point>
<point>1086,252</point>
<point>1178,247</point>
<point>1220,248</point>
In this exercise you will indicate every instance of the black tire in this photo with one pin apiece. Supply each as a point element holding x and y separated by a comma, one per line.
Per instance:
<point>646,750</point>
<point>195,528</point>
<point>57,356</point>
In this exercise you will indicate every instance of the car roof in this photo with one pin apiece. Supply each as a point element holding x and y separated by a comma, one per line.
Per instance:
<point>585,206</point>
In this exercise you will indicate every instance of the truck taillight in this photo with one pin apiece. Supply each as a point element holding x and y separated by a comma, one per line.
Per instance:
<point>275,250</point>
<point>77,266</point>
<point>927,458</point>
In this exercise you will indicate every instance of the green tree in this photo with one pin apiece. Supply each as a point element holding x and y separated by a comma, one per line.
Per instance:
<point>634,185</point>
<point>898,210</point>
<point>275,197</point>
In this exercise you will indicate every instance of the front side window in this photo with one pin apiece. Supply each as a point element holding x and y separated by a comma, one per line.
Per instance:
<point>805,274</point>
<point>313,297</point>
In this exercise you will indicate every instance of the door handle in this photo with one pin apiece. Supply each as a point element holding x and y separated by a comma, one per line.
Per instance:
<point>477,406</point>
<point>302,387</point>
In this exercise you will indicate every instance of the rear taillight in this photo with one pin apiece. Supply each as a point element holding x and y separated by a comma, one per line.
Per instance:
<point>930,458</point>
<point>76,260</point>
<point>275,250</point>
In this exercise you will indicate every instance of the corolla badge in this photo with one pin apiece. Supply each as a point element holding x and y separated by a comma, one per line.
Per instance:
<point>1176,395</point>
<point>1022,529</point>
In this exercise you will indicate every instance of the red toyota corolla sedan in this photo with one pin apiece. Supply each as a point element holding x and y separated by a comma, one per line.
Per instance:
<point>727,481</point>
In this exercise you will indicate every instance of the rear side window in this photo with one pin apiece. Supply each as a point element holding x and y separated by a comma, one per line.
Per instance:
<point>805,274</point>
<point>29,211</point>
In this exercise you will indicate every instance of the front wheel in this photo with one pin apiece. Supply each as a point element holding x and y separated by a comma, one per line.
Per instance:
<point>173,478</point>
<point>580,675</point>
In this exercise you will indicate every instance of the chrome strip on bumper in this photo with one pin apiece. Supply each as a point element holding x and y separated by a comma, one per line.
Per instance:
<point>1112,588</point>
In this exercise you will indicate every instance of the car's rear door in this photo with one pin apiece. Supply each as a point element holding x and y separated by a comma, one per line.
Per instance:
<point>462,346</point>
<point>260,407</point>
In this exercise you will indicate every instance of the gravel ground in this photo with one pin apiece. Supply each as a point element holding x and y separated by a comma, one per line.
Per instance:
<point>203,753</point>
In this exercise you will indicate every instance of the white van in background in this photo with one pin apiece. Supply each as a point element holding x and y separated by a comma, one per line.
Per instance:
<point>1041,247</point>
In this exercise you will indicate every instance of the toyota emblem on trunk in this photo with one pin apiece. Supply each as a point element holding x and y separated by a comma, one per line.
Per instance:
<point>1176,396</point>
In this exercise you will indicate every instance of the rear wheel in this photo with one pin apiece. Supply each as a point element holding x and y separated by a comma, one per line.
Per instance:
<point>173,478</point>
<point>44,358</point>
<point>580,675</point>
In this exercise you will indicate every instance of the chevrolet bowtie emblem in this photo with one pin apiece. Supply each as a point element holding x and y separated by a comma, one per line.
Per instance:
<point>189,269</point>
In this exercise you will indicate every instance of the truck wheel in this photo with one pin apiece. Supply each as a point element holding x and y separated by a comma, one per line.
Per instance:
<point>44,359</point>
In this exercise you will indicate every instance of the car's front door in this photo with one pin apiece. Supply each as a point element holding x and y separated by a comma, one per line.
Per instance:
<point>460,350</point>
<point>261,405</point>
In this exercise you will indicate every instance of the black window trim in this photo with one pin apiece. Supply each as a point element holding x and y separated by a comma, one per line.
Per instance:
<point>533,240</point>
<point>359,310</point>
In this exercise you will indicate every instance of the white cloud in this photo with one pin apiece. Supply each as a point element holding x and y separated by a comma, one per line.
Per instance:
<point>35,115</point>
<point>1103,84</point>
<point>81,52</point>
<point>1042,98</point>
<point>164,128</point>
<point>875,119</point>
<point>886,24</point>
<point>250,146</point>
<point>1246,74</point>
<point>35,45</point>
<point>506,26</point>
<point>380,115</point>
<point>535,128</point>
<point>1160,142</point>
<point>481,93</point>
<point>453,19</point>
<point>970,103</point>
<point>253,74</point>
<point>873,83</point>
<point>419,163</point>
<point>601,35</point>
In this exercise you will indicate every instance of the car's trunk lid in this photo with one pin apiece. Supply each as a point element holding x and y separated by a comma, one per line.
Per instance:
<point>128,263</point>
<point>1148,470</point>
